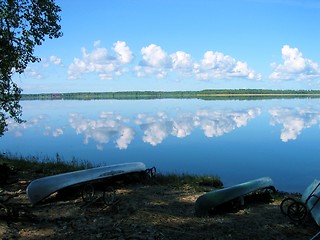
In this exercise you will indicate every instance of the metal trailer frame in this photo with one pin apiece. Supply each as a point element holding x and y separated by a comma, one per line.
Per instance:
<point>297,210</point>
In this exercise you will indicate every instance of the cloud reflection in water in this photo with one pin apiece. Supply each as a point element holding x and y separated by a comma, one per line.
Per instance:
<point>157,126</point>
<point>108,126</point>
<point>293,121</point>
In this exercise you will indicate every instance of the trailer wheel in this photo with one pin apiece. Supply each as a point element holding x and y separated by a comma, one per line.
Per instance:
<point>297,211</point>
<point>109,195</point>
<point>87,193</point>
<point>285,204</point>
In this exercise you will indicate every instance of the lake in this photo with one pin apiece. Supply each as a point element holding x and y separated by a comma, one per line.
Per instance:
<point>237,140</point>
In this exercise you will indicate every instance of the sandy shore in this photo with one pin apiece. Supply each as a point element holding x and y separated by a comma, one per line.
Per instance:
<point>141,211</point>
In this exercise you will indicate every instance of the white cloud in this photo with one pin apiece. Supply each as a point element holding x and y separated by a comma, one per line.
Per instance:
<point>154,61</point>
<point>124,53</point>
<point>154,56</point>
<point>294,66</point>
<point>33,73</point>
<point>182,63</point>
<point>52,59</point>
<point>214,65</point>
<point>100,61</point>
<point>55,60</point>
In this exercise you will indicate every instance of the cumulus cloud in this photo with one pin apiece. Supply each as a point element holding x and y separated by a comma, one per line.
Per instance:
<point>55,60</point>
<point>33,73</point>
<point>293,120</point>
<point>294,66</point>
<point>214,65</point>
<point>52,60</point>
<point>100,61</point>
<point>154,61</point>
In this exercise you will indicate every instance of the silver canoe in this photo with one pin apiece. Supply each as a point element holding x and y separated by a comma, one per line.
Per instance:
<point>41,188</point>
<point>215,198</point>
<point>311,198</point>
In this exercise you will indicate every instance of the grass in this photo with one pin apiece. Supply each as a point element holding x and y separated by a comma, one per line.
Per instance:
<point>195,181</point>
<point>44,166</point>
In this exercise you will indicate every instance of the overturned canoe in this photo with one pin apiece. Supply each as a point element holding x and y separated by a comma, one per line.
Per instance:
<point>311,197</point>
<point>41,188</point>
<point>215,198</point>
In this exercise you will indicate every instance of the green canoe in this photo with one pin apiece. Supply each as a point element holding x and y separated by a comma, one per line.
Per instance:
<point>215,198</point>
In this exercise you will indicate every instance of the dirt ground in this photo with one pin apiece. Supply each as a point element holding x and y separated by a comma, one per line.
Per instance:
<point>140,211</point>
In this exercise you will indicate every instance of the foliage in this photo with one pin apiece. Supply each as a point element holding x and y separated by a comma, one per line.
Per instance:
<point>211,94</point>
<point>24,25</point>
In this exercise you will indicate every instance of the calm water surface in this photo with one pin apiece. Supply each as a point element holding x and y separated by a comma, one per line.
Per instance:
<point>235,140</point>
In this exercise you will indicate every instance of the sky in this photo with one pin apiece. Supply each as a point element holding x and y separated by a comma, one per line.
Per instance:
<point>171,45</point>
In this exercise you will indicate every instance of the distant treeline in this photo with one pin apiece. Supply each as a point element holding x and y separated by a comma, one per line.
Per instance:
<point>209,94</point>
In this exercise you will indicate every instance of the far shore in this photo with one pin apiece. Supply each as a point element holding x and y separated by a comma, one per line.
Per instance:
<point>210,94</point>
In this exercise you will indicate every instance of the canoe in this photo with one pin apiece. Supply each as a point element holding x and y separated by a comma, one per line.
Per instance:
<point>212,199</point>
<point>313,203</point>
<point>41,188</point>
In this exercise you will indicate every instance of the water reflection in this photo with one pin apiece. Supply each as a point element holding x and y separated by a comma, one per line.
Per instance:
<point>293,120</point>
<point>217,123</point>
<point>236,140</point>
<point>17,128</point>
<point>107,127</point>
<point>156,127</point>
<point>213,123</point>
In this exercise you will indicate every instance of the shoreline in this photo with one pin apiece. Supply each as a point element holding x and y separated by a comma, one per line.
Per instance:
<point>210,94</point>
<point>155,209</point>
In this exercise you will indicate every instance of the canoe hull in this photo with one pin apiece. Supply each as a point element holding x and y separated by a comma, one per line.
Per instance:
<point>41,188</point>
<point>215,198</point>
<point>313,204</point>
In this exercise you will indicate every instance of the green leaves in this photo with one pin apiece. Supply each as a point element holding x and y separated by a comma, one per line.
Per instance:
<point>24,24</point>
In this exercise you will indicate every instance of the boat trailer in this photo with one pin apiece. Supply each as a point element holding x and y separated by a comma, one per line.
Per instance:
<point>90,191</point>
<point>297,210</point>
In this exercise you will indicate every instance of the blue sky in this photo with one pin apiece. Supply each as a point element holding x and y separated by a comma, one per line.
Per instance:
<point>123,45</point>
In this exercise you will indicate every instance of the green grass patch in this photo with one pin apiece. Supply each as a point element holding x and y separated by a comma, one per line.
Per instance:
<point>195,181</point>
<point>45,166</point>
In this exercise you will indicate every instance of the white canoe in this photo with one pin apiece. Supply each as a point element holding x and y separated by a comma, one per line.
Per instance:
<point>41,188</point>
<point>215,198</point>
<point>313,203</point>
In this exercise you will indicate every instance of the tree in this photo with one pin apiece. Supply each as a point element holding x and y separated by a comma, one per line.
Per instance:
<point>24,25</point>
